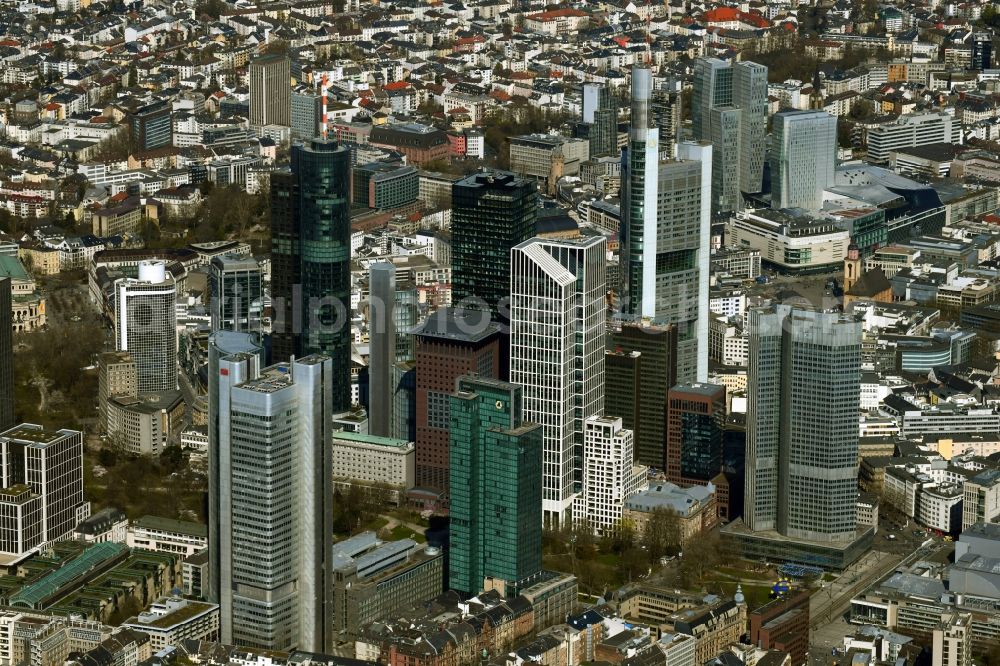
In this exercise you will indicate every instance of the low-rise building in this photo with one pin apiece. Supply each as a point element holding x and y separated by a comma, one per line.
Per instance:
<point>172,620</point>
<point>108,524</point>
<point>374,579</point>
<point>694,507</point>
<point>167,535</point>
<point>373,462</point>
<point>790,241</point>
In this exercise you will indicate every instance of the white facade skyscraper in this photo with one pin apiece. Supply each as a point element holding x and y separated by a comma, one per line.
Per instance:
<point>275,501</point>
<point>557,324</point>
<point>803,158</point>
<point>610,474</point>
<point>146,325</point>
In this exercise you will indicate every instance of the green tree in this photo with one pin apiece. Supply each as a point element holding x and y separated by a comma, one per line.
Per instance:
<point>173,459</point>
<point>662,535</point>
<point>210,8</point>
<point>633,563</point>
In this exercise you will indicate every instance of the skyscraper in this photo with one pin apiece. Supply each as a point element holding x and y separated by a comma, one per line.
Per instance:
<point>306,113</point>
<point>803,398</point>
<point>151,126</point>
<point>656,347</point>
<point>724,134</point>
<point>270,90</point>
<point>713,86</point>
<point>146,325</point>
<point>610,475</point>
<point>496,490</point>
<point>696,415</point>
<point>236,292</point>
<point>750,96</point>
<point>738,132</point>
<point>600,112</point>
<point>557,332</point>
<point>382,338</point>
<point>6,355</point>
<point>803,158</point>
<point>233,358</point>
<point>667,109</point>
<point>639,196</point>
<point>450,343</point>
<point>491,213</point>
<point>274,523</point>
<point>50,464</point>
<point>311,255</point>
<point>665,232</point>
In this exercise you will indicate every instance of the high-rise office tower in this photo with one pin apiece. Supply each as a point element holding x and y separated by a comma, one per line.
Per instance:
<point>491,212</point>
<point>496,490</point>
<point>236,293</point>
<point>449,344</point>
<point>803,158</point>
<point>750,96</point>
<point>724,135</point>
<point>667,110</point>
<point>693,355</point>
<point>50,464</point>
<point>116,376</point>
<point>665,233</point>
<point>738,86</point>
<point>151,126</point>
<point>405,316</point>
<point>557,333</point>
<point>600,112</point>
<point>713,86</point>
<point>307,113</point>
<point>270,90</point>
<point>639,196</point>
<point>982,51</point>
<point>6,354</point>
<point>656,365</point>
<point>382,338</point>
<point>696,418</point>
<point>610,475</point>
<point>275,444</point>
<point>146,325</point>
<point>404,401</point>
<point>667,256</point>
<point>233,358</point>
<point>311,256</point>
<point>803,397</point>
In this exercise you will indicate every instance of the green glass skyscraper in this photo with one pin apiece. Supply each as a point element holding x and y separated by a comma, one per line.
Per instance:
<point>492,212</point>
<point>311,255</point>
<point>496,489</point>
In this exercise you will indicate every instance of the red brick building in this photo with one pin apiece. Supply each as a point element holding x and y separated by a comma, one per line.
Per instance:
<point>420,143</point>
<point>783,624</point>
<point>451,343</point>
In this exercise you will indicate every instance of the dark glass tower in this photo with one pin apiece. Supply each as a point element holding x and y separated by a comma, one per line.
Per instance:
<point>311,255</point>
<point>496,488</point>
<point>696,415</point>
<point>656,365</point>
<point>491,213</point>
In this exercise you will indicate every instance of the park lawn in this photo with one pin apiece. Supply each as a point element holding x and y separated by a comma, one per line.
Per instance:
<point>743,573</point>
<point>404,532</point>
